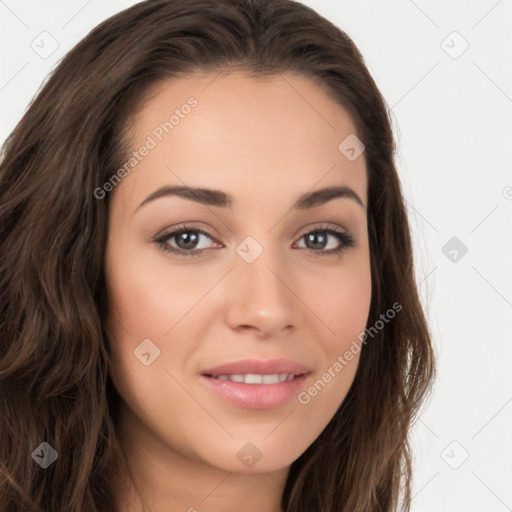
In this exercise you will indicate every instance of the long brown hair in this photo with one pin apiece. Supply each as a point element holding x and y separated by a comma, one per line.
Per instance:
<point>54,351</point>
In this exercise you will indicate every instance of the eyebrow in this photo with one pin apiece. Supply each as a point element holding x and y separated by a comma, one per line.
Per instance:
<point>222,199</point>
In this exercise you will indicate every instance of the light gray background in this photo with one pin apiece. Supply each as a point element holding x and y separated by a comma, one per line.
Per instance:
<point>452,116</point>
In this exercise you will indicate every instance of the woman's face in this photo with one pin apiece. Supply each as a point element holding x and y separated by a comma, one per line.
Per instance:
<point>263,283</point>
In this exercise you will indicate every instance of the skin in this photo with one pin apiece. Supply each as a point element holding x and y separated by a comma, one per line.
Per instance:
<point>181,438</point>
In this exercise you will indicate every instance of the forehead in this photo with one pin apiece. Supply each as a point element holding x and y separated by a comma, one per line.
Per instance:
<point>280,133</point>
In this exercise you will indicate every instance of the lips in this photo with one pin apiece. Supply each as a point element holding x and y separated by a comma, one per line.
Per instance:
<point>258,367</point>
<point>257,384</point>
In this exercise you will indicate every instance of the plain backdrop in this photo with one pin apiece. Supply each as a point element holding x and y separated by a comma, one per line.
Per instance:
<point>445,69</point>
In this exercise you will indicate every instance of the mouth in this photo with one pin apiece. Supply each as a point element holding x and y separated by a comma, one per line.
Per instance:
<point>253,371</point>
<point>257,384</point>
<point>255,378</point>
<point>252,392</point>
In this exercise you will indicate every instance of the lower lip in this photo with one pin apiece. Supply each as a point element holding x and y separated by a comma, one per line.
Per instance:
<point>256,396</point>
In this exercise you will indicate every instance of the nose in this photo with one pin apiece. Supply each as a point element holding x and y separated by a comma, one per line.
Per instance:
<point>261,297</point>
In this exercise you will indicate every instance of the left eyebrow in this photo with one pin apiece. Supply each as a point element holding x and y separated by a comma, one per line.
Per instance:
<point>222,199</point>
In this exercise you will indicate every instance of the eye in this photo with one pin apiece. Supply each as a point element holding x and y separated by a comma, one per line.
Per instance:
<point>317,240</point>
<point>187,239</point>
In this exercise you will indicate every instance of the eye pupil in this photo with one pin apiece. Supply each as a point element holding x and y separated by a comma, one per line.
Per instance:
<point>313,237</point>
<point>190,241</point>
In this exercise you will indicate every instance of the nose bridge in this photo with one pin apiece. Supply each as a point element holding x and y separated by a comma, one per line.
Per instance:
<point>260,296</point>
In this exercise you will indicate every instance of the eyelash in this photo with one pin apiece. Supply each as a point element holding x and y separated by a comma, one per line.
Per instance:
<point>346,239</point>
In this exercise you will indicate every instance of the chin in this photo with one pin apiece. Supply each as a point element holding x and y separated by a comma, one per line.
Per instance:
<point>254,457</point>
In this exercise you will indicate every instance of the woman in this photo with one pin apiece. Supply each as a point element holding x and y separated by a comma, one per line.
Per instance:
<point>207,283</point>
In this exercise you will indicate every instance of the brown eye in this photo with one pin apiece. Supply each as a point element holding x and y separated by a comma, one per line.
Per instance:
<point>317,241</point>
<point>186,240</point>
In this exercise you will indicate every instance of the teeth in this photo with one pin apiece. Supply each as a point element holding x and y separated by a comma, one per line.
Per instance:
<point>253,378</point>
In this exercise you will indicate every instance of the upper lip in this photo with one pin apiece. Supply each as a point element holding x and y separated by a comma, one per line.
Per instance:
<point>259,367</point>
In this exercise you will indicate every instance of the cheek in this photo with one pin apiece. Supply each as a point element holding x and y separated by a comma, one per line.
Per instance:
<point>349,313</point>
<point>147,297</point>
<point>342,306</point>
<point>341,302</point>
<point>344,310</point>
